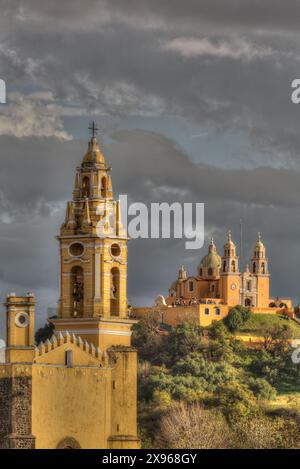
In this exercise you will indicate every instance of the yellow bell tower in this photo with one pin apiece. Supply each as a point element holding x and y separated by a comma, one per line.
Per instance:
<point>230,276</point>
<point>20,328</point>
<point>259,267</point>
<point>93,258</point>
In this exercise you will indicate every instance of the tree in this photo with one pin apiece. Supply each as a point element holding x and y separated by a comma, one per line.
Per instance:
<point>237,317</point>
<point>147,340</point>
<point>275,336</point>
<point>234,320</point>
<point>44,333</point>
<point>184,339</point>
<point>193,427</point>
<point>218,331</point>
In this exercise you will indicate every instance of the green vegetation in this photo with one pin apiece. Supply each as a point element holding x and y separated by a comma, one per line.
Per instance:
<point>44,333</point>
<point>256,322</point>
<point>229,387</point>
<point>237,318</point>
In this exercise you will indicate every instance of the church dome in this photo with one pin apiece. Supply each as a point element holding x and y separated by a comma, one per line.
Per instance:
<point>212,260</point>
<point>94,154</point>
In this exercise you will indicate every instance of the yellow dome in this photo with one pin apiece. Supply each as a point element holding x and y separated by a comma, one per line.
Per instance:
<point>212,259</point>
<point>94,154</point>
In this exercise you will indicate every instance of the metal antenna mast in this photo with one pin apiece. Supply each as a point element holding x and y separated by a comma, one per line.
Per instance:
<point>241,244</point>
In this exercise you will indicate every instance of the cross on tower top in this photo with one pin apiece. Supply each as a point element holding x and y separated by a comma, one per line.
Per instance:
<point>93,129</point>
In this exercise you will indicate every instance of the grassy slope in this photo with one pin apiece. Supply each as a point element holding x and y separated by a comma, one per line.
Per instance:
<point>258,320</point>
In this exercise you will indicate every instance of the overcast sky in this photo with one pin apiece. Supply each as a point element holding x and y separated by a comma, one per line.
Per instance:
<point>193,102</point>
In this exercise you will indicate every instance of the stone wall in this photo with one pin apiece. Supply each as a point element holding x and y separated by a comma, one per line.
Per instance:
<point>15,412</point>
<point>5,406</point>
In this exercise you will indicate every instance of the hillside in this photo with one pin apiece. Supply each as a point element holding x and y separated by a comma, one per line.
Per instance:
<point>202,388</point>
<point>258,321</point>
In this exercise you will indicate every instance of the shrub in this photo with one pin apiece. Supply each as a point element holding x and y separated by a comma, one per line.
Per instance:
<point>193,427</point>
<point>263,432</point>
<point>261,388</point>
<point>236,400</point>
<point>161,398</point>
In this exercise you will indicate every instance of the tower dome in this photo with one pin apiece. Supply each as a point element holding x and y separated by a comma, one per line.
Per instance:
<point>211,263</point>
<point>259,248</point>
<point>229,244</point>
<point>94,154</point>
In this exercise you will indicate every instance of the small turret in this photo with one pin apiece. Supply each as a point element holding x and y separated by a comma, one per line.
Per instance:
<point>86,221</point>
<point>70,216</point>
<point>182,273</point>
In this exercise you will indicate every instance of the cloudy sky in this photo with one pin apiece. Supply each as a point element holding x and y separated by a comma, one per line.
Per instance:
<point>193,102</point>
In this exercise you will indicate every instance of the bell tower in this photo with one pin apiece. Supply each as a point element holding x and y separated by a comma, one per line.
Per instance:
<point>230,276</point>
<point>93,257</point>
<point>259,269</point>
<point>20,328</point>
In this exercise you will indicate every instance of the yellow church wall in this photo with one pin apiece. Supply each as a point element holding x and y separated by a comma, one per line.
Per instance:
<point>57,356</point>
<point>202,314</point>
<point>64,406</point>
<point>168,314</point>
<point>102,333</point>
<point>203,289</point>
<point>263,295</point>
<point>215,313</point>
<point>123,400</point>
<point>230,289</point>
<point>178,314</point>
<point>19,355</point>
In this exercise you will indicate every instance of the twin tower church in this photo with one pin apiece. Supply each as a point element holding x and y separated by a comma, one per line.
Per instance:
<point>220,281</point>
<point>79,389</point>
<point>217,287</point>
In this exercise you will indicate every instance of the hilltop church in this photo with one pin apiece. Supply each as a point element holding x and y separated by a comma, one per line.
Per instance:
<point>78,389</point>
<point>217,287</point>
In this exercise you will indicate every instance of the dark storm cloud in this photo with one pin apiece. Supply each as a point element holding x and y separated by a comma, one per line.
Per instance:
<point>112,56</point>
<point>120,58</point>
<point>224,65</point>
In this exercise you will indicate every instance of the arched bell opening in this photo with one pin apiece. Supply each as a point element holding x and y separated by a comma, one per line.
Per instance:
<point>86,186</point>
<point>103,187</point>
<point>115,292</point>
<point>77,291</point>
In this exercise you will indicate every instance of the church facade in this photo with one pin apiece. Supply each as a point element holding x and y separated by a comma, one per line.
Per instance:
<point>78,389</point>
<point>217,287</point>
